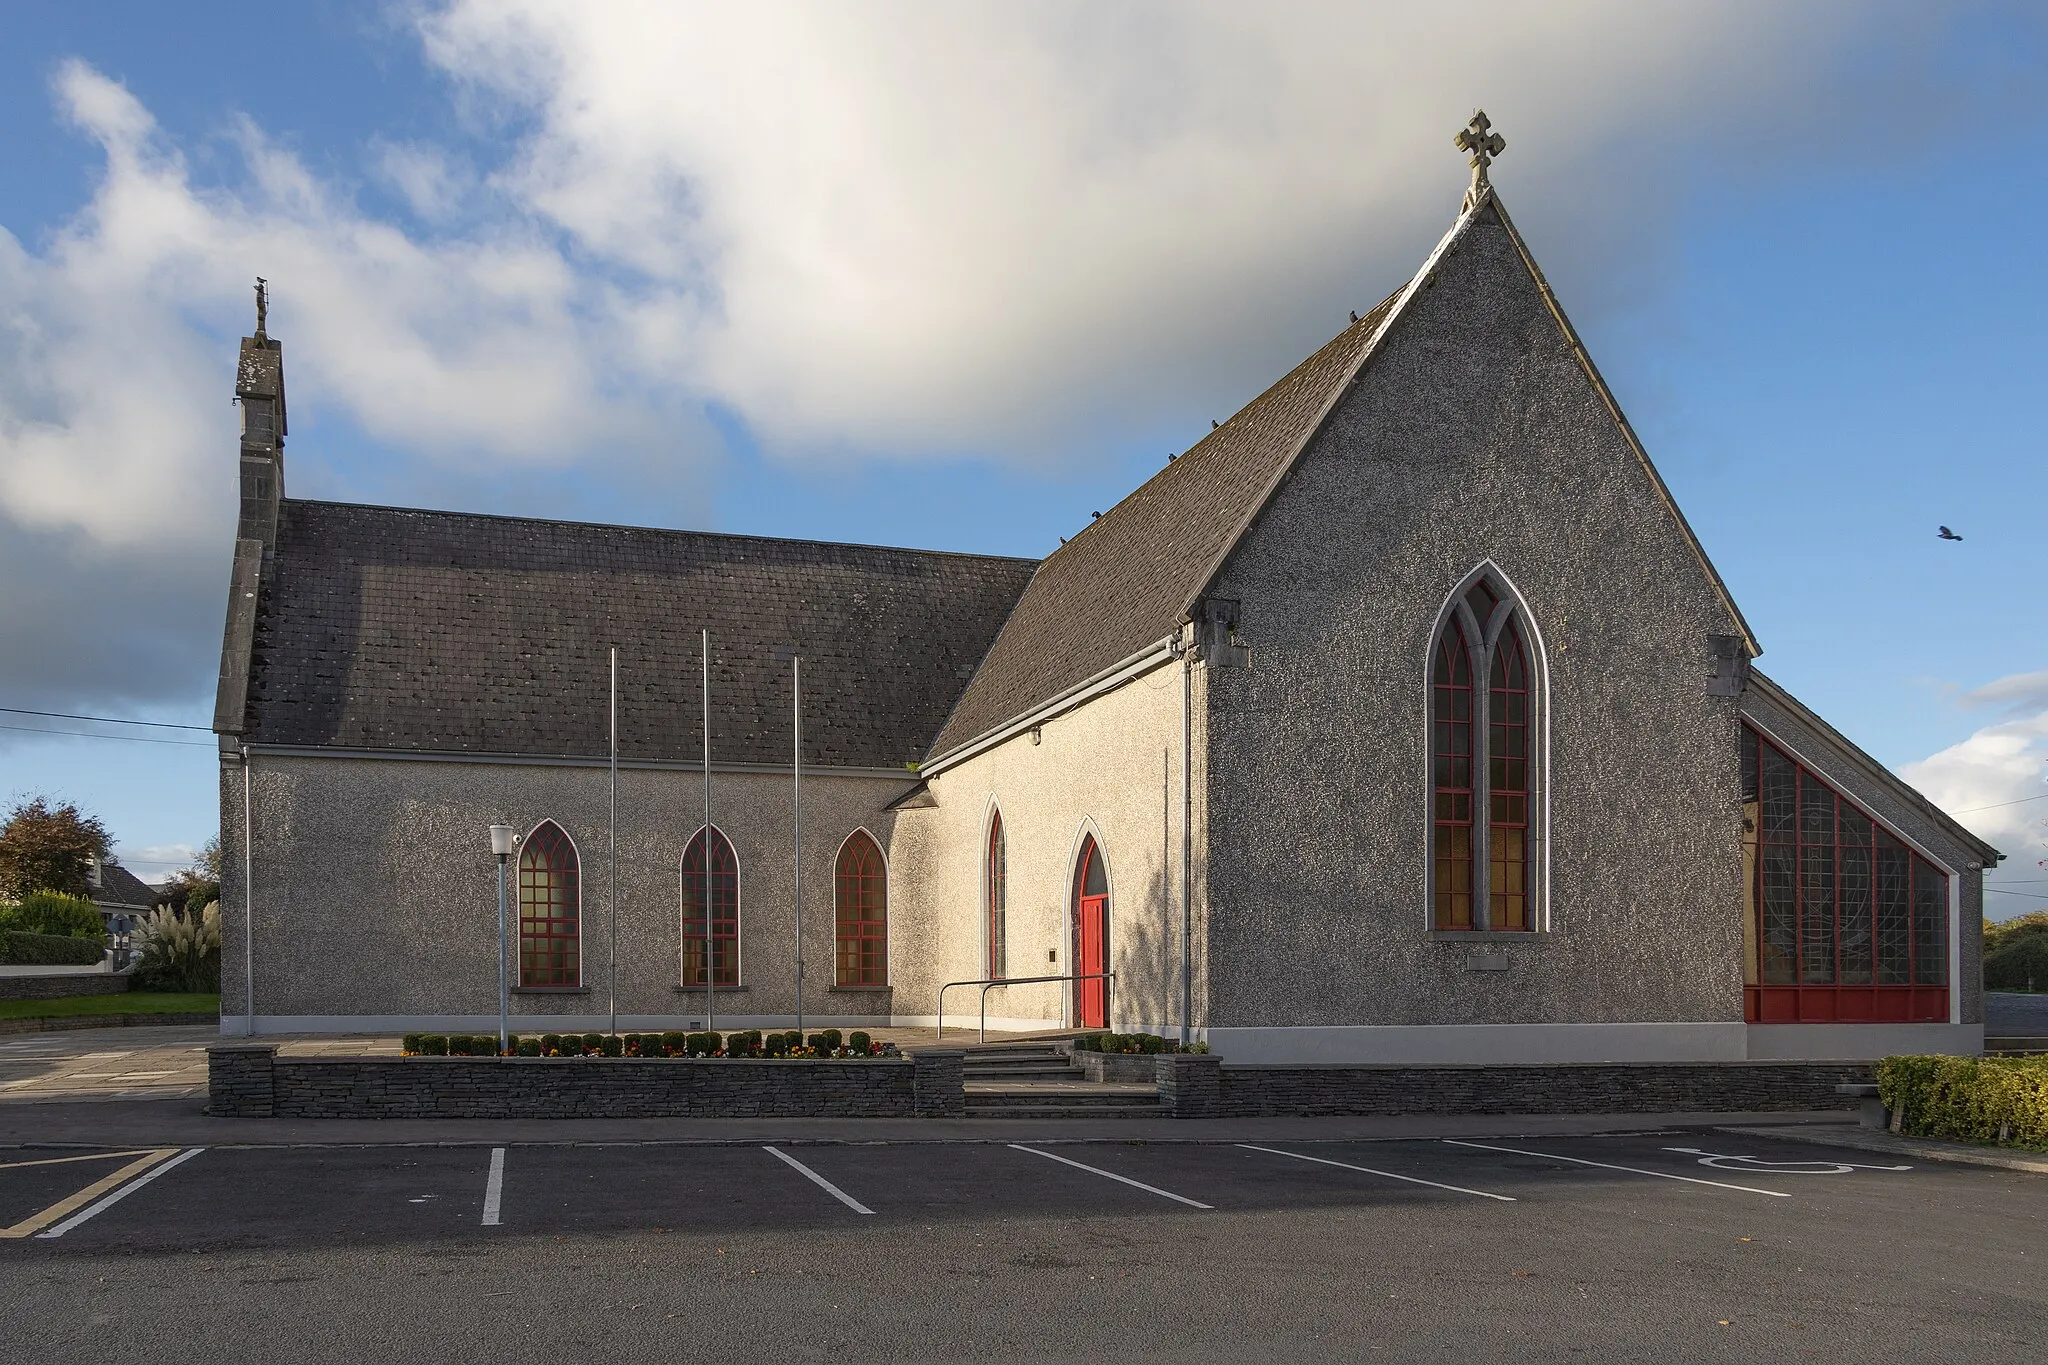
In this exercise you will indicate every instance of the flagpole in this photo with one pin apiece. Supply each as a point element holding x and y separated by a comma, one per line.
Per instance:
<point>614,834</point>
<point>710,965</point>
<point>796,768</point>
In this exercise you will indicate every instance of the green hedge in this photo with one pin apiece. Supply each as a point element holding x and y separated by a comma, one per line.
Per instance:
<point>18,947</point>
<point>2021,965</point>
<point>1968,1099</point>
<point>52,912</point>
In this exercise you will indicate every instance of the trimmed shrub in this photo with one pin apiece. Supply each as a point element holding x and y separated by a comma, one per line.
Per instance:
<point>433,1045</point>
<point>674,1044</point>
<point>529,1047</point>
<point>775,1045</point>
<point>611,1045</point>
<point>700,1044</point>
<point>410,1044</point>
<point>746,1044</point>
<point>592,1043</point>
<point>860,1042</point>
<point>1968,1099</point>
<point>18,947</point>
<point>550,1043</point>
<point>56,914</point>
<point>2021,965</point>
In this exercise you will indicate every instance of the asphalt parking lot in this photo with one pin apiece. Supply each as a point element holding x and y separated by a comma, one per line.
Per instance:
<point>1673,1244</point>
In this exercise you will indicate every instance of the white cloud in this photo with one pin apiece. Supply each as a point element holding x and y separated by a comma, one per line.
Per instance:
<point>1996,783</point>
<point>920,227</point>
<point>909,229</point>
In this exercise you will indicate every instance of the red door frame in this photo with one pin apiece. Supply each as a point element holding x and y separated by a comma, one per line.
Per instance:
<point>1091,943</point>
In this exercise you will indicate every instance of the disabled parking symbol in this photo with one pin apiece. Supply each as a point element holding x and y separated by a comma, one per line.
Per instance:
<point>1726,1161</point>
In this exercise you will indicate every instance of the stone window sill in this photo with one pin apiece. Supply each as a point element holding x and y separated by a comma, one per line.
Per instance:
<point>858,990</point>
<point>698,989</point>
<point>551,990</point>
<point>1502,937</point>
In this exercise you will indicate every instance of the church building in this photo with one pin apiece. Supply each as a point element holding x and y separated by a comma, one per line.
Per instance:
<point>1401,719</point>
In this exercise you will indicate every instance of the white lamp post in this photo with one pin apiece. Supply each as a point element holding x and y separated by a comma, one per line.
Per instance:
<point>503,840</point>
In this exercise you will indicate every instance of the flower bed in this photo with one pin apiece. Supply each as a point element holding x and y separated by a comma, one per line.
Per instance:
<point>749,1043</point>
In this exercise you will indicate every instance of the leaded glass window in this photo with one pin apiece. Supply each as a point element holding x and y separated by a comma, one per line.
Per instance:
<point>996,891</point>
<point>711,911</point>
<point>1847,923</point>
<point>860,899</point>
<point>549,909</point>
<point>1483,758</point>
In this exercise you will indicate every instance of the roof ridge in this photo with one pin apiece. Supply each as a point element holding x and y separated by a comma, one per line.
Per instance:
<point>650,530</point>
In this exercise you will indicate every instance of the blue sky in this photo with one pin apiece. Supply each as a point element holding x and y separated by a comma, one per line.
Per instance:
<point>956,276</point>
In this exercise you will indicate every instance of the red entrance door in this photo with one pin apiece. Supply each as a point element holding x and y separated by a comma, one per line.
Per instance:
<point>1091,934</point>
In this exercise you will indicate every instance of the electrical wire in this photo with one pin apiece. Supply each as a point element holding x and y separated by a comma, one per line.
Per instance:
<point>111,720</point>
<point>87,734</point>
<point>2001,804</point>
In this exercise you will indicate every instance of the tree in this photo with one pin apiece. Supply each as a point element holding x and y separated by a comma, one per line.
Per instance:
<point>191,889</point>
<point>49,848</point>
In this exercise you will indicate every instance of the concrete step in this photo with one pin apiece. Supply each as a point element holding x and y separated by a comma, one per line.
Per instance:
<point>1007,1073</point>
<point>2015,1045</point>
<point>1092,1097</point>
<point>1063,1111</point>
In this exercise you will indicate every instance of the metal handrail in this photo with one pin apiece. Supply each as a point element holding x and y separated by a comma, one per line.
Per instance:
<point>989,983</point>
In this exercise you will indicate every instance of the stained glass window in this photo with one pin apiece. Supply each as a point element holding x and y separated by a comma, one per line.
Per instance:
<point>714,888</point>
<point>860,898</point>
<point>549,908</point>
<point>996,891</point>
<point>1450,726</point>
<point>1848,923</point>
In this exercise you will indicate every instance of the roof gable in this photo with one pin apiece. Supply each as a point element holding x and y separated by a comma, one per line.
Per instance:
<point>1131,578</point>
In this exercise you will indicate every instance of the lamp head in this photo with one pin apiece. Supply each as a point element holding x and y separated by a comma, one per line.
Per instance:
<point>503,840</point>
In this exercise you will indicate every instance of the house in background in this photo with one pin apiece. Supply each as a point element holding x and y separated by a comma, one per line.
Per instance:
<point>1401,719</point>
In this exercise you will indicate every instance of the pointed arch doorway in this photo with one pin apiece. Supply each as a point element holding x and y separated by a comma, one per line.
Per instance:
<point>1091,936</point>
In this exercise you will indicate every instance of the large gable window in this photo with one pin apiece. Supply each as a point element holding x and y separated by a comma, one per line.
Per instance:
<point>550,898</point>
<point>1845,923</point>
<point>860,900</point>
<point>1482,751</point>
<point>711,911</point>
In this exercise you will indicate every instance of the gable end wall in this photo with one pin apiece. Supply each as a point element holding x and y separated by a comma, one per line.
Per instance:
<point>1473,433</point>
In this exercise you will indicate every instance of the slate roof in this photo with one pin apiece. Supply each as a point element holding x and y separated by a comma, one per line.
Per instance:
<point>121,889</point>
<point>1128,579</point>
<point>395,629</point>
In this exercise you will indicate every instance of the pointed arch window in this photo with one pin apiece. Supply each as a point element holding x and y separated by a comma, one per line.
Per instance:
<point>711,911</point>
<point>550,909</point>
<point>860,900</point>
<point>995,892</point>
<point>1482,691</point>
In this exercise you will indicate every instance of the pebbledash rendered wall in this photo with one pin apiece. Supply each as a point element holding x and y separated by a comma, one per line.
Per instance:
<point>1474,437</point>
<point>376,905</point>
<point>1111,768</point>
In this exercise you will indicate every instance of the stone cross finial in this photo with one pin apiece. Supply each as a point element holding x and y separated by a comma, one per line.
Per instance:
<point>262,303</point>
<point>1484,144</point>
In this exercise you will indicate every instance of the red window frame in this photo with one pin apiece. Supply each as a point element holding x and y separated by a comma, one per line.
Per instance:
<point>550,906</point>
<point>995,891</point>
<point>1845,922</point>
<point>1451,761</point>
<point>860,900</point>
<point>1507,785</point>
<point>723,896</point>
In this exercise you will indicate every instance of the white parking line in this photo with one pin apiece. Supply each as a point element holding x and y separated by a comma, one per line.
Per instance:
<point>494,1187</point>
<point>1633,1170</point>
<point>1112,1175</point>
<point>118,1195</point>
<point>820,1181</point>
<point>1413,1180</point>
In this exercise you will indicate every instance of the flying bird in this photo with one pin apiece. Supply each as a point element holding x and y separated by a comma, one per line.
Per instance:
<point>1947,534</point>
